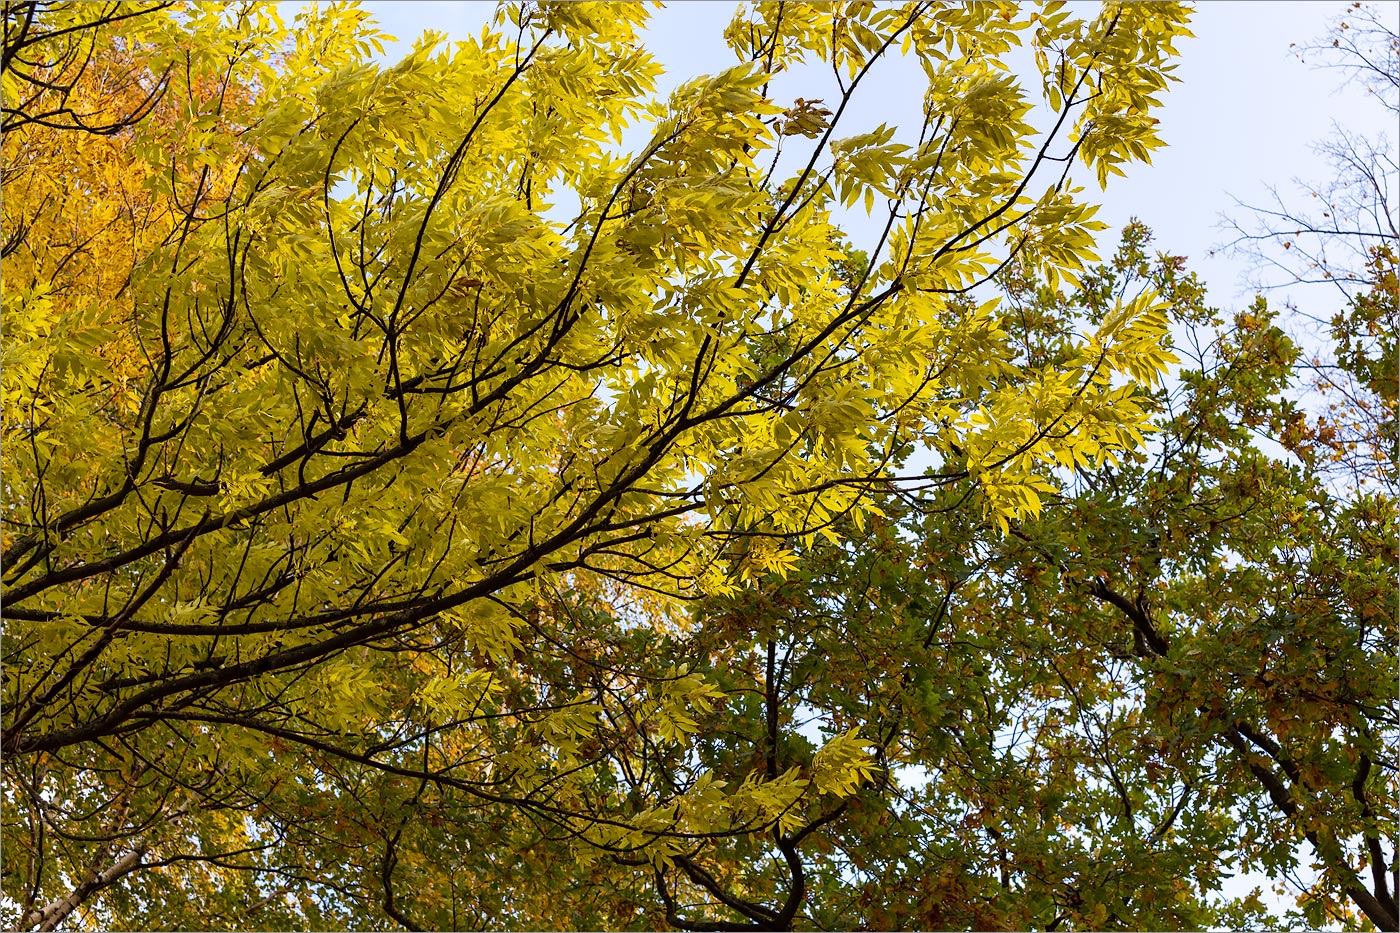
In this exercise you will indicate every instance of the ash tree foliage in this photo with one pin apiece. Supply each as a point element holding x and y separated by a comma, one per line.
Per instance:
<point>422,512</point>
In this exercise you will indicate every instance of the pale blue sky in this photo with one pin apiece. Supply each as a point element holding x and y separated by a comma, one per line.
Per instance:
<point>1244,116</point>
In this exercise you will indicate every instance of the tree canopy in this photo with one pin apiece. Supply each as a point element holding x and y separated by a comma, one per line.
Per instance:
<point>422,510</point>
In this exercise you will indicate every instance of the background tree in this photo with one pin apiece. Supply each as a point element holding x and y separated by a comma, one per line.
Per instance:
<point>1344,428</point>
<point>1344,232</point>
<point>1255,596</point>
<point>366,430</point>
<point>54,56</point>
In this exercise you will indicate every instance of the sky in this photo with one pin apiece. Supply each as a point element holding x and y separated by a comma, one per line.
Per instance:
<point>1245,116</point>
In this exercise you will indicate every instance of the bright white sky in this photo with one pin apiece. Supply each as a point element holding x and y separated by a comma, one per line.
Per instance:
<point>1244,116</point>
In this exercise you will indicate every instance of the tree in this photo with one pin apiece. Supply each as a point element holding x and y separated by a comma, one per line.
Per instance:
<point>1330,239</point>
<point>1343,431</point>
<point>1253,596</point>
<point>1346,236</point>
<point>368,429</point>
